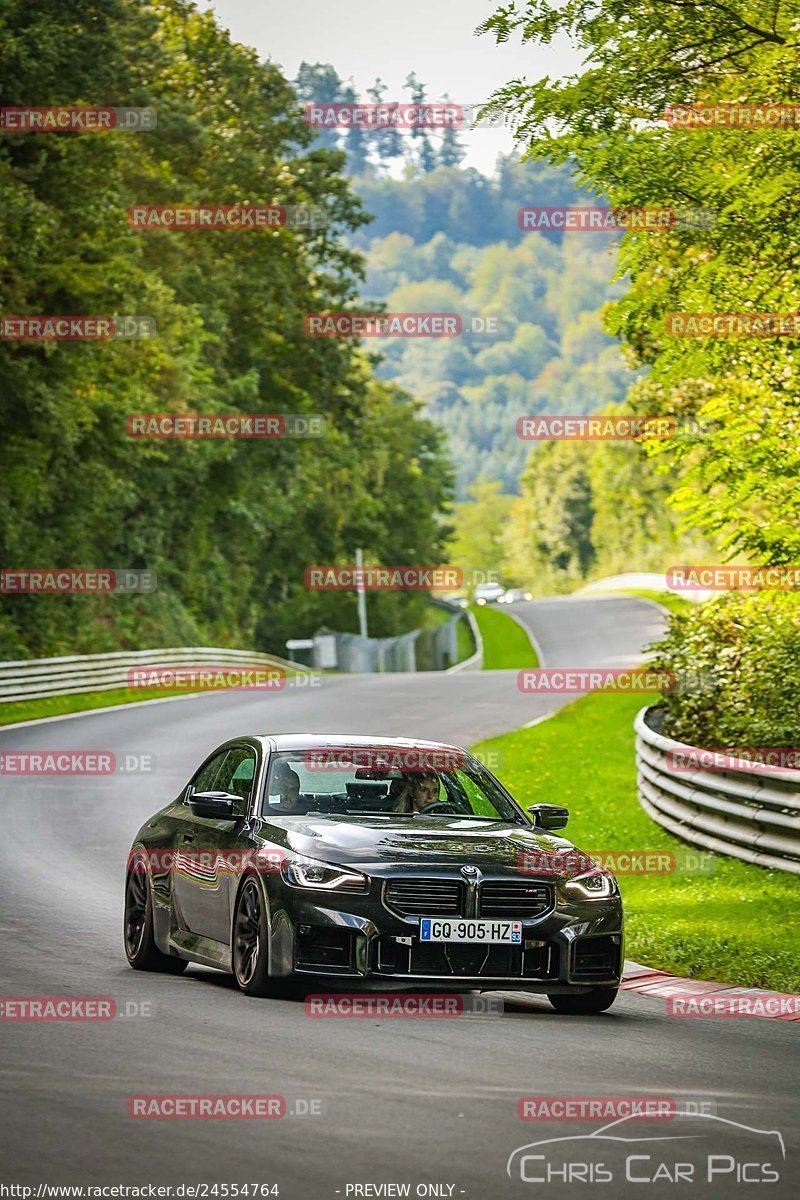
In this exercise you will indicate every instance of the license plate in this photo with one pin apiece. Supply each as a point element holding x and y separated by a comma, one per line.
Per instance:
<point>433,929</point>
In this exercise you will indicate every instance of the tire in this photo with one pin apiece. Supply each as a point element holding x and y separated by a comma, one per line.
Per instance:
<point>250,942</point>
<point>584,1003</point>
<point>140,948</point>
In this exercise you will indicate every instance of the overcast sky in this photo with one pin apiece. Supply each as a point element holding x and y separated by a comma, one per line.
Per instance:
<point>365,38</point>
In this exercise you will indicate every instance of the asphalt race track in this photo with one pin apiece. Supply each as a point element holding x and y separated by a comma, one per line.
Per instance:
<point>418,1102</point>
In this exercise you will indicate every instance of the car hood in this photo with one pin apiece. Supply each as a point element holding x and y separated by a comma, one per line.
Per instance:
<point>421,842</point>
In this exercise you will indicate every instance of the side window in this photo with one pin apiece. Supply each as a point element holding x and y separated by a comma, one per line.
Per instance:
<point>237,775</point>
<point>207,779</point>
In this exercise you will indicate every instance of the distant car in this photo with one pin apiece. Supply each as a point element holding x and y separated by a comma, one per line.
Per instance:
<point>514,596</point>
<point>457,599</point>
<point>487,593</point>
<point>372,864</point>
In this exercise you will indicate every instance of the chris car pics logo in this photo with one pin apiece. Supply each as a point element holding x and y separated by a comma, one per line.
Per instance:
<point>693,1148</point>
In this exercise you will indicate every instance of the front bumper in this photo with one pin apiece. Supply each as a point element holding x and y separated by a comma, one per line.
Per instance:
<point>360,944</point>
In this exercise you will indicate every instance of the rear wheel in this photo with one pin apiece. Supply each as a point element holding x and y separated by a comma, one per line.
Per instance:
<point>596,1001</point>
<point>140,947</point>
<point>250,955</point>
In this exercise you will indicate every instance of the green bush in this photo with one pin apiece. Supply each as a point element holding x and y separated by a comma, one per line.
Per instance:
<point>739,655</point>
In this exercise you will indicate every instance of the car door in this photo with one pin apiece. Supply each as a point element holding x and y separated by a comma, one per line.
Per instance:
<point>209,851</point>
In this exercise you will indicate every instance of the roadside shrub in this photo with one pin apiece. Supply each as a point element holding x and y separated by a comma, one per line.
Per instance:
<point>740,655</point>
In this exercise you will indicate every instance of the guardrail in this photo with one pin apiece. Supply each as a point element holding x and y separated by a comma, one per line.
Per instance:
<point>475,661</point>
<point>430,649</point>
<point>34,677</point>
<point>752,814</point>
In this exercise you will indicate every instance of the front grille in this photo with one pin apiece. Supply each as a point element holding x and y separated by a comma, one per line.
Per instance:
<point>516,898</point>
<point>425,897</point>
<point>439,958</point>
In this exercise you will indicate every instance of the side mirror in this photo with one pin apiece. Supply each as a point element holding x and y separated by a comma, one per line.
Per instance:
<point>549,816</point>
<point>217,805</point>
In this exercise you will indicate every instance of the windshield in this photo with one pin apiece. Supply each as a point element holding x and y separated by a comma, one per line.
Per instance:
<point>389,782</point>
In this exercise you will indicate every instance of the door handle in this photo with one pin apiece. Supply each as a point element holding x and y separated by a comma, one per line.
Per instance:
<point>188,838</point>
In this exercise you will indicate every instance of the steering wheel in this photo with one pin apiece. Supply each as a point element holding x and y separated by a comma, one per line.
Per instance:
<point>438,804</point>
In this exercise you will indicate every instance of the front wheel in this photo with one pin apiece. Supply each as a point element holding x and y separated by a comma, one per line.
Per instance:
<point>251,941</point>
<point>140,947</point>
<point>583,1003</point>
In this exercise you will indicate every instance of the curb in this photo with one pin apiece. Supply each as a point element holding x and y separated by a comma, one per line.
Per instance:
<point>646,981</point>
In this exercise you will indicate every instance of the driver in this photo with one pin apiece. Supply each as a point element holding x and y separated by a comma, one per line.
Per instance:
<point>286,783</point>
<point>417,792</point>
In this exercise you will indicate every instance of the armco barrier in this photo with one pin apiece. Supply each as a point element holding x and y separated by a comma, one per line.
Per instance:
<point>752,814</point>
<point>34,677</point>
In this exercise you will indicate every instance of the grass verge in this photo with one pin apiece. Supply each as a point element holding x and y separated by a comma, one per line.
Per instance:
<point>506,645</point>
<point>58,706</point>
<point>739,925</point>
<point>465,642</point>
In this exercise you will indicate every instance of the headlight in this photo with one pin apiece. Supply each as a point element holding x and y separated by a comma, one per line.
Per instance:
<point>595,885</point>
<point>306,873</point>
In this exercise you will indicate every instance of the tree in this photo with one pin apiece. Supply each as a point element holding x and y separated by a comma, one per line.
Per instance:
<point>320,83</point>
<point>420,138</point>
<point>388,142</point>
<point>228,526</point>
<point>451,151</point>
<point>735,481</point>
<point>479,522</point>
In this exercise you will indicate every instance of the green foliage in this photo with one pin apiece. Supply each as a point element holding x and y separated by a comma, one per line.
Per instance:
<point>228,526</point>
<point>464,205</point>
<point>738,925</point>
<point>735,482</point>
<point>546,353</point>
<point>479,526</point>
<point>745,651</point>
<point>733,479</point>
<point>590,509</point>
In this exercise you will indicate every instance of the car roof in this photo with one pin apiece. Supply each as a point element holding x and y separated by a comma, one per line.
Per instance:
<point>310,741</point>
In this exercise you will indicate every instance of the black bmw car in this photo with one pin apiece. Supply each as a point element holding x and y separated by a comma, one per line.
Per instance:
<point>369,863</point>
